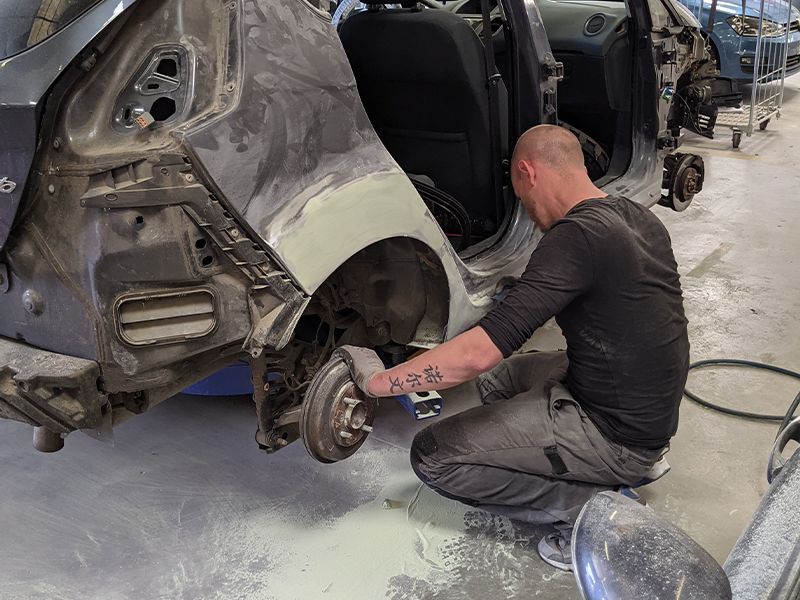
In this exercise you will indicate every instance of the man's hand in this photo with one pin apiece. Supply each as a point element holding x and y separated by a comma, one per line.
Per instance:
<point>362,362</point>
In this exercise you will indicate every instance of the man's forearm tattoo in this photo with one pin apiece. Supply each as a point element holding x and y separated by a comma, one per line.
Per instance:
<point>432,374</point>
<point>396,384</point>
<point>415,379</point>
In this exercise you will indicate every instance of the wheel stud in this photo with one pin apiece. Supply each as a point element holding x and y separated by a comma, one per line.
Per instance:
<point>345,434</point>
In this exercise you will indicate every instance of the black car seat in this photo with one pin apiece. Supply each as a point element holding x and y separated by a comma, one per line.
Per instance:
<point>422,77</point>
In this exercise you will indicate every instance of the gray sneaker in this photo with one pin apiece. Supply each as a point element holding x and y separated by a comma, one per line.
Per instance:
<point>657,471</point>
<point>556,550</point>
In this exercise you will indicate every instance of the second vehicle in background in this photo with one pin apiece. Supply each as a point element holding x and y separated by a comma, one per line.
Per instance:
<point>731,29</point>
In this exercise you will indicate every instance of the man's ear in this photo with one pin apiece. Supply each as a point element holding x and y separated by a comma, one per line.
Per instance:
<point>528,172</point>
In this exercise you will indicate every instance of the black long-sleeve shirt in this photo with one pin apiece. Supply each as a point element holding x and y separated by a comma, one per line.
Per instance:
<point>607,273</point>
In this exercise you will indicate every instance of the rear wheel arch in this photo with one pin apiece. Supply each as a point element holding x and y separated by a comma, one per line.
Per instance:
<point>398,286</point>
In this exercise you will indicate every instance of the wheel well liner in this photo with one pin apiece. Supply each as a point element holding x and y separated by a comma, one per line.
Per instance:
<point>399,287</point>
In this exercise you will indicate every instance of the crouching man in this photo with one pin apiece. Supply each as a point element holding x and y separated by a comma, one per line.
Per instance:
<point>557,427</point>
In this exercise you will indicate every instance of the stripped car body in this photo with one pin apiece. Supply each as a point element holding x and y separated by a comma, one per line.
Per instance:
<point>197,182</point>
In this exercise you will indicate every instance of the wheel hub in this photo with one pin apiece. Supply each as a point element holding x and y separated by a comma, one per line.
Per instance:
<point>688,184</point>
<point>350,415</point>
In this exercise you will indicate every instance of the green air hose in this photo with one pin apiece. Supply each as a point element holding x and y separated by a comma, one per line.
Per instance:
<point>784,419</point>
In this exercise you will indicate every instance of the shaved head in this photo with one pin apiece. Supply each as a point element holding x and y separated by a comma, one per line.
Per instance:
<point>554,146</point>
<point>549,175</point>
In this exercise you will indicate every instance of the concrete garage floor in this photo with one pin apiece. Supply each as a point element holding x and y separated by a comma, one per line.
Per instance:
<point>185,506</point>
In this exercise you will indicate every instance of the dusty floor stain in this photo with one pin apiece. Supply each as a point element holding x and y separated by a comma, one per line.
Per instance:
<point>709,261</point>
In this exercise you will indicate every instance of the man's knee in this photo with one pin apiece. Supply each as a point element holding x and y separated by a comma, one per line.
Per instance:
<point>423,449</point>
<point>428,460</point>
<point>437,475</point>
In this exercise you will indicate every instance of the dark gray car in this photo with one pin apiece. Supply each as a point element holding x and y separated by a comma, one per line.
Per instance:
<point>184,184</point>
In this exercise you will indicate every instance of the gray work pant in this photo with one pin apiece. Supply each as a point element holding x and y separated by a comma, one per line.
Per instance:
<point>530,452</point>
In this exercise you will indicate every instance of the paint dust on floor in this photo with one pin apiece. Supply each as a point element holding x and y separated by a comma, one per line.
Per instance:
<point>423,547</point>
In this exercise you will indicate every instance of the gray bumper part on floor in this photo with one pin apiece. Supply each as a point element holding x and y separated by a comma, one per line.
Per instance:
<point>46,389</point>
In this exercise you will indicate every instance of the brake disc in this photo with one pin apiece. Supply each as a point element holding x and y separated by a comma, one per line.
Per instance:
<point>683,179</point>
<point>336,417</point>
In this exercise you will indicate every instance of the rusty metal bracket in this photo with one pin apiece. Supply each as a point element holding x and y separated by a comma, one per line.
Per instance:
<point>273,432</point>
<point>261,397</point>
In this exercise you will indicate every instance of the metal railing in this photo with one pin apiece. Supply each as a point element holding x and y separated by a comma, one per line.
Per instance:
<point>773,27</point>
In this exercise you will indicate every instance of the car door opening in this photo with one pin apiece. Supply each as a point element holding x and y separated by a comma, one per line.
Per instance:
<point>423,80</point>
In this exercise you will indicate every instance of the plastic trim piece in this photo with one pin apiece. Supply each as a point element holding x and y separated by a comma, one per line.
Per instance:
<point>593,19</point>
<point>165,317</point>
